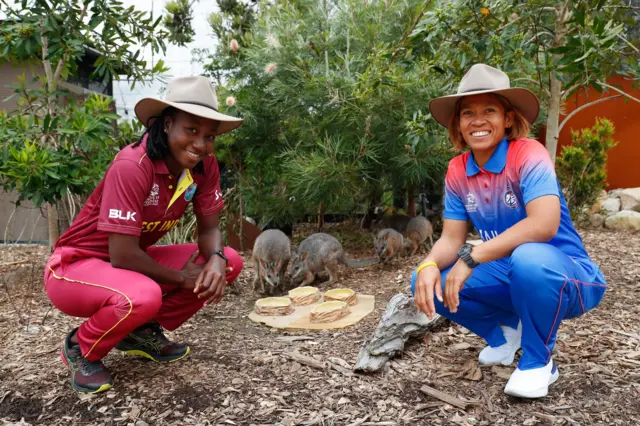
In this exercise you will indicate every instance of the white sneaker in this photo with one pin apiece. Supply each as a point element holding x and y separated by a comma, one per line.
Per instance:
<point>503,354</point>
<point>532,383</point>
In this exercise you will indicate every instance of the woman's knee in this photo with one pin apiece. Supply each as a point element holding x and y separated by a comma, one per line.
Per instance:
<point>235,263</point>
<point>145,302</point>
<point>526,262</point>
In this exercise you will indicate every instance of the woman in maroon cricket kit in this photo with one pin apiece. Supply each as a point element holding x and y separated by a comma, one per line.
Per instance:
<point>105,267</point>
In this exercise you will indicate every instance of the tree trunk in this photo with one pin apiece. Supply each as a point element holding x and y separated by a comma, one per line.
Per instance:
<point>320,216</point>
<point>52,218</point>
<point>555,89</point>
<point>553,117</point>
<point>411,201</point>
<point>374,200</point>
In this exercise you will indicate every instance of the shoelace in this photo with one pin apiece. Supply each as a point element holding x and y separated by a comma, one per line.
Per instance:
<point>158,333</point>
<point>87,367</point>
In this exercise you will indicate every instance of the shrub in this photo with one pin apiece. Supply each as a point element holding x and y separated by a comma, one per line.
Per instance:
<point>581,166</point>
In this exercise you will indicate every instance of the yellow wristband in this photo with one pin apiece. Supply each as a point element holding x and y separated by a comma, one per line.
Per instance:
<point>424,265</point>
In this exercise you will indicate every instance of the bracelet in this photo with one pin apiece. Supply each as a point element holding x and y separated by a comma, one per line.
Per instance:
<point>424,265</point>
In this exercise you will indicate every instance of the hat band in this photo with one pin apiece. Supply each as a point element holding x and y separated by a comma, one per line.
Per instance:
<point>196,103</point>
<point>478,90</point>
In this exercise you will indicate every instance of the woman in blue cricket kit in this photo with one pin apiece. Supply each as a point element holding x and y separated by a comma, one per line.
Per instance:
<point>531,270</point>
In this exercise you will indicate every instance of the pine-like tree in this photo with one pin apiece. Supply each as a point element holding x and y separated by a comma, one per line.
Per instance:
<point>332,94</point>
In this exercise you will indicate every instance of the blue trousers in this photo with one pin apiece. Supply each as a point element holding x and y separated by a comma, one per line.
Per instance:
<point>538,285</point>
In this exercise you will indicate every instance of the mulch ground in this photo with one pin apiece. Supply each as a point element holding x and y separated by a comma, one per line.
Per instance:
<point>239,373</point>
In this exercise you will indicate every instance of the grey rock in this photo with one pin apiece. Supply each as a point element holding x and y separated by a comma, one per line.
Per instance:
<point>611,205</point>
<point>624,220</point>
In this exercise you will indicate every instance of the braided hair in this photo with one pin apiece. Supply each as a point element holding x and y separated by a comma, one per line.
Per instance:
<point>158,141</point>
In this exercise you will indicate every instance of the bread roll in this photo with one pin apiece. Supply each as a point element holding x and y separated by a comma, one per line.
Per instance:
<point>304,295</point>
<point>274,306</point>
<point>342,295</point>
<point>329,311</point>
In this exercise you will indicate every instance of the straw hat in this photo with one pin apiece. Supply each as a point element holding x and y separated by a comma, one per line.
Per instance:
<point>195,95</point>
<point>480,79</point>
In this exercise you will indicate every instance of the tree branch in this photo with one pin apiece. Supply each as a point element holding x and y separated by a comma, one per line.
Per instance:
<point>566,92</point>
<point>46,63</point>
<point>577,110</point>
<point>532,81</point>
<point>621,37</point>
<point>413,27</point>
<point>65,56</point>
<point>9,9</point>
<point>615,89</point>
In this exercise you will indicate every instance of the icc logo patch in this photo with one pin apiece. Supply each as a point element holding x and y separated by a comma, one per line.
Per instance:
<point>190,192</point>
<point>510,199</point>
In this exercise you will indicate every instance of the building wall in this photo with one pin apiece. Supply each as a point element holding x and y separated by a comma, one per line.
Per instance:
<point>623,166</point>
<point>9,76</point>
<point>24,223</point>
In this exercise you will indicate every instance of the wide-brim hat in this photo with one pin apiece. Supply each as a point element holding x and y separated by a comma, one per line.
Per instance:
<point>195,95</point>
<point>481,79</point>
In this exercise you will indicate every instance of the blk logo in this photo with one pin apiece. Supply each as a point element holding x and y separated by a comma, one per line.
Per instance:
<point>117,214</point>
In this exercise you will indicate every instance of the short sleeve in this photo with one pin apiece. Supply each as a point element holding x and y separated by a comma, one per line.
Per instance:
<point>208,199</point>
<point>537,175</point>
<point>126,185</point>
<point>453,206</point>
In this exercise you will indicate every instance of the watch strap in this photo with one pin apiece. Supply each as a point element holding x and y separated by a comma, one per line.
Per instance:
<point>221,254</point>
<point>465,255</point>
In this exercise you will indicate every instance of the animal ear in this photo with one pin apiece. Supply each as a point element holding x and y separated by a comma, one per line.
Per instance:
<point>303,255</point>
<point>387,236</point>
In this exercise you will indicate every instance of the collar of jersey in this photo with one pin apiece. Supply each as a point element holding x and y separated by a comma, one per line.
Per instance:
<point>495,164</point>
<point>184,182</point>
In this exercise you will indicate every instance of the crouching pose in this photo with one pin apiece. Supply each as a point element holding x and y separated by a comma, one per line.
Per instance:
<point>105,266</point>
<point>531,271</point>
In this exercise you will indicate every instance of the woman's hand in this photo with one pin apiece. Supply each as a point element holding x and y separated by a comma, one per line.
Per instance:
<point>190,272</point>
<point>212,280</point>
<point>456,278</point>
<point>428,283</point>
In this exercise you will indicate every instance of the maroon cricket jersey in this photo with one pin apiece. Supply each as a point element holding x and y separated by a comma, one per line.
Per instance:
<point>139,196</point>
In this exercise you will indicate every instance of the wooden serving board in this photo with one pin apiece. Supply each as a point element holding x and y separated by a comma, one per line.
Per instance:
<point>299,318</point>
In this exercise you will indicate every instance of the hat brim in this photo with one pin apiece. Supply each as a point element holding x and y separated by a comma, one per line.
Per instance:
<point>523,100</point>
<point>148,109</point>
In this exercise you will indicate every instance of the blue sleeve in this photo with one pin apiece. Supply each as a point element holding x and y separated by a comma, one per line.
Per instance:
<point>453,206</point>
<point>537,175</point>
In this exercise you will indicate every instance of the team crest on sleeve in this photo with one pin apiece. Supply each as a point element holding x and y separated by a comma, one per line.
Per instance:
<point>471,205</point>
<point>190,192</point>
<point>510,199</point>
<point>153,198</point>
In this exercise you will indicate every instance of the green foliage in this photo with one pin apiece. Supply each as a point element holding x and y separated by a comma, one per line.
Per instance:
<point>581,167</point>
<point>129,131</point>
<point>55,145</point>
<point>519,37</point>
<point>60,32</point>
<point>42,170</point>
<point>178,21</point>
<point>330,93</point>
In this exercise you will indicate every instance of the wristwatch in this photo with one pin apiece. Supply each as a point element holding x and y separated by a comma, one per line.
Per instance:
<point>465,254</point>
<point>221,254</point>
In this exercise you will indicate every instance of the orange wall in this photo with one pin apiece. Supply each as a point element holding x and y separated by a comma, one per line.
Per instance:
<point>623,167</point>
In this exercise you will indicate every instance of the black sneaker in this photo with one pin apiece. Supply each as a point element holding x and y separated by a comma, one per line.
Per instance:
<point>86,376</point>
<point>150,342</point>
